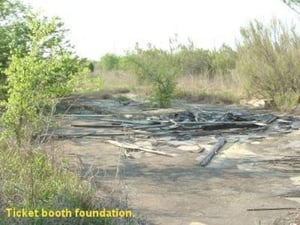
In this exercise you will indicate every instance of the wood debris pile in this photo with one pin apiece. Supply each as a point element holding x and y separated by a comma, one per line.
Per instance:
<point>182,126</point>
<point>119,127</point>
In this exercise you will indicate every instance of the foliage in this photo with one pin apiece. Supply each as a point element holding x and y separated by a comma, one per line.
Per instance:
<point>11,34</point>
<point>195,61</point>
<point>223,60</point>
<point>37,65</point>
<point>126,63</point>
<point>191,60</point>
<point>91,67</point>
<point>36,76</point>
<point>34,181</point>
<point>37,168</point>
<point>269,62</point>
<point>160,69</point>
<point>109,62</point>
<point>17,29</point>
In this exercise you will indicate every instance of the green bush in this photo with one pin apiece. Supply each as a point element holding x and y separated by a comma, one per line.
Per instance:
<point>268,60</point>
<point>160,68</point>
<point>36,77</point>
<point>224,60</point>
<point>126,63</point>
<point>195,61</point>
<point>12,33</point>
<point>109,62</point>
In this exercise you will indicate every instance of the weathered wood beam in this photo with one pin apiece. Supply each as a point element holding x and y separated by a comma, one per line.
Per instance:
<point>211,153</point>
<point>135,147</point>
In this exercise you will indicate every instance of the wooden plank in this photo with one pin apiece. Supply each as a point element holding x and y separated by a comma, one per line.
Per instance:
<point>135,122</point>
<point>96,125</point>
<point>271,119</point>
<point>92,134</point>
<point>227,125</point>
<point>271,209</point>
<point>135,147</point>
<point>206,160</point>
<point>197,132</point>
<point>83,115</point>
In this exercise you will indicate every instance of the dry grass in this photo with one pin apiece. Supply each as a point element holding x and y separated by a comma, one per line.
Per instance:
<point>119,82</point>
<point>225,89</point>
<point>106,84</point>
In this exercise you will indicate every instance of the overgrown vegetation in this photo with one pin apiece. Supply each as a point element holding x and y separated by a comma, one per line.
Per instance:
<point>37,65</point>
<point>36,77</point>
<point>30,180</point>
<point>109,62</point>
<point>269,63</point>
<point>161,69</point>
<point>265,66</point>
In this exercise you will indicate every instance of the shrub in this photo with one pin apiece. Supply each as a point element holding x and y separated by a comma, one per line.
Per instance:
<point>37,77</point>
<point>109,62</point>
<point>195,61</point>
<point>223,60</point>
<point>160,68</point>
<point>126,63</point>
<point>12,33</point>
<point>268,60</point>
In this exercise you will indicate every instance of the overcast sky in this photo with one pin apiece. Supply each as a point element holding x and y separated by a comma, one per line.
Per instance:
<point>101,26</point>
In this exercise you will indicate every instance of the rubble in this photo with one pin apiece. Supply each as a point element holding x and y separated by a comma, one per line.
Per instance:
<point>124,125</point>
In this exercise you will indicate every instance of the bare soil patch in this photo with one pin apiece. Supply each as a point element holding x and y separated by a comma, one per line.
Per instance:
<point>256,170</point>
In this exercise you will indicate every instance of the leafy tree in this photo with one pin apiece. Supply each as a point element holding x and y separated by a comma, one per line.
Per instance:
<point>12,32</point>
<point>38,67</point>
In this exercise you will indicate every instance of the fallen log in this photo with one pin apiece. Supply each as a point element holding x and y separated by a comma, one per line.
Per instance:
<point>205,161</point>
<point>135,147</point>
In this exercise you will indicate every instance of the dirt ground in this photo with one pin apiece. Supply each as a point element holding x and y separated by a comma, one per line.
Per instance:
<point>176,190</point>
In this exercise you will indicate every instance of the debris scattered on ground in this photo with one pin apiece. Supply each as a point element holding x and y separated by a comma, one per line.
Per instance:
<point>124,125</point>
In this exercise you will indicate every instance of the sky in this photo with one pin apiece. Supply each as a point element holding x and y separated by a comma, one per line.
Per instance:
<point>98,27</point>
